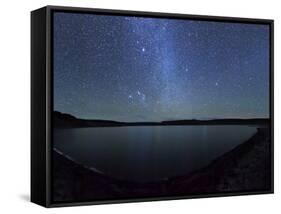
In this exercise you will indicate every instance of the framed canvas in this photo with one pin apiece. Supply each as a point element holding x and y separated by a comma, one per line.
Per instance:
<point>139,106</point>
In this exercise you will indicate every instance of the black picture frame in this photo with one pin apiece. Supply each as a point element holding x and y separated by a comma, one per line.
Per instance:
<point>42,99</point>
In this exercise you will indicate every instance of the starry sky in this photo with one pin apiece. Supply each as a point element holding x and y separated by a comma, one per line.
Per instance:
<point>152,69</point>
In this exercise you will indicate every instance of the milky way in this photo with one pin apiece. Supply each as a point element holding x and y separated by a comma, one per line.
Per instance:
<point>153,69</point>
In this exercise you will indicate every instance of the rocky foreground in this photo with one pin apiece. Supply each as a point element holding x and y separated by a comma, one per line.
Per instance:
<point>246,168</point>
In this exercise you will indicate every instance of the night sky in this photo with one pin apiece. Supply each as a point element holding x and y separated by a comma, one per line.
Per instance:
<point>150,69</point>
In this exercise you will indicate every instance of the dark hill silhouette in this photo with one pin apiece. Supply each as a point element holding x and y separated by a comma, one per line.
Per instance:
<point>68,120</point>
<point>62,120</point>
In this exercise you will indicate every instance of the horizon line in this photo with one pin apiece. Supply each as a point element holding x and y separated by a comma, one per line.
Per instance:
<point>153,121</point>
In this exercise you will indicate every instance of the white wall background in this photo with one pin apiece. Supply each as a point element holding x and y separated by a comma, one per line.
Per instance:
<point>15,105</point>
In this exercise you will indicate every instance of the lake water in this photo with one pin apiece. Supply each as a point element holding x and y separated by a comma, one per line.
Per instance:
<point>147,153</point>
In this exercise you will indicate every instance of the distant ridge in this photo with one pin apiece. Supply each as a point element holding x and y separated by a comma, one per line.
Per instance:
<point>68,120</point>
<point>62,120</point>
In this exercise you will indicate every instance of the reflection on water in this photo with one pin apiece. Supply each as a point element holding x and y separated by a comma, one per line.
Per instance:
<point>149,152</point>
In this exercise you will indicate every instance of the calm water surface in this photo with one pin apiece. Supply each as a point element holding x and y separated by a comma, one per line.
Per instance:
<point>149,152</point>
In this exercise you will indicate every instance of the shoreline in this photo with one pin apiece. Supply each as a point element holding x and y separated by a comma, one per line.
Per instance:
<point>64,121</point>
<point>237,170</point>
<point>244,168</point>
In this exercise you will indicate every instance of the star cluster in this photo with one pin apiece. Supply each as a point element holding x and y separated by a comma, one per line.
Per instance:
<point>153,69</point>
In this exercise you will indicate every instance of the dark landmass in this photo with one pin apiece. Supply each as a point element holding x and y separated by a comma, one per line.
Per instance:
<point>61,120</point>
<point>245,168</point>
